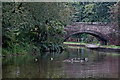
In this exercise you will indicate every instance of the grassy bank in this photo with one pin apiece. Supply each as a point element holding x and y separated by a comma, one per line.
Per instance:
<point>110,46</point>
<point>75,43</point>
<point>104,46</point>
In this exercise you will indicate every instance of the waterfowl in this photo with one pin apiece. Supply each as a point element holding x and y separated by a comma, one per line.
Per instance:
<point>76,60</point>
<point>51,59</point>
<point>86,59</point>
<point>81,61</point>
<point>36,59</point>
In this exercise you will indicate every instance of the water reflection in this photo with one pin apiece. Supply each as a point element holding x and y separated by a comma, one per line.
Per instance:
<point>53,65</point>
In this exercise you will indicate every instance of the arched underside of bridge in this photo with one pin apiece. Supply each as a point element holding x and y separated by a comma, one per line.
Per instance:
<point>99,36</point>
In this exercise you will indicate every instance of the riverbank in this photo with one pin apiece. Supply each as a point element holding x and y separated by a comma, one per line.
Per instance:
<point>32,49</point>
<point>105,48</point>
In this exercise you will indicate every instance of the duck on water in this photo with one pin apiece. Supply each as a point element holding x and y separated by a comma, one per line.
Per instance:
<point>76,60</point>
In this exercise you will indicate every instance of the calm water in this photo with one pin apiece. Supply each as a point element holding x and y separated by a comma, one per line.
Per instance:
<point>51,65</point>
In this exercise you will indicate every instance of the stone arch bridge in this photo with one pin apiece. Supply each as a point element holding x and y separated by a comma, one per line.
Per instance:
<point>104,32</point>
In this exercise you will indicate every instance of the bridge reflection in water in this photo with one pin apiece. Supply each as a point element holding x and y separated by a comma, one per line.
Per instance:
<point>51,65</point>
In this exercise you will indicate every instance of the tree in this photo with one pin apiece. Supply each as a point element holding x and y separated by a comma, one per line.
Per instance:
<point>115,15</point>
<point>92,11</point>
<point>25,22</point>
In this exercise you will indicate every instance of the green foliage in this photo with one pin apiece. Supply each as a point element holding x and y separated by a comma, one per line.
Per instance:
<point>111,46</point>
<point>86,38</point>
<point>115,14</point>
<point>92,11</point>
<point>33,25</point>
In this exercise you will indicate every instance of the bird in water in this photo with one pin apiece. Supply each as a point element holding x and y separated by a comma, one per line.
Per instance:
<point>81,61</point>
<point>76,60</point>
<point>68,60</point>
<point>86,59</point>
<point>51,59</point>
<point>36,59</point>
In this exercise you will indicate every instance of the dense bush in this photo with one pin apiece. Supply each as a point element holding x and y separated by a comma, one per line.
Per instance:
<point>33,26</point>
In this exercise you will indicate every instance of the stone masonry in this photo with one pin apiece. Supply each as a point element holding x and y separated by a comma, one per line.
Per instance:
<point>104,32</point>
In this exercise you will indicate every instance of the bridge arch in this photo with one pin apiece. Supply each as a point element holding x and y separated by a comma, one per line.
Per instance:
<point>99,36</point>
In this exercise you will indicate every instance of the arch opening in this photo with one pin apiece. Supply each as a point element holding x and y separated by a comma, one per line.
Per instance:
<point>98,36</point>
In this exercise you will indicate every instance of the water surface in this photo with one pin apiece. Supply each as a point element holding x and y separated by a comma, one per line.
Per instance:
<point>51,65</point>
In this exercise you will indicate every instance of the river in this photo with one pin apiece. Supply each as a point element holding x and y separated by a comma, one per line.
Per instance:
<point>91,64</point>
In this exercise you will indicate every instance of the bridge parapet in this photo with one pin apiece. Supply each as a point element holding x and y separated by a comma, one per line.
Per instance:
<point>104,28</point>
